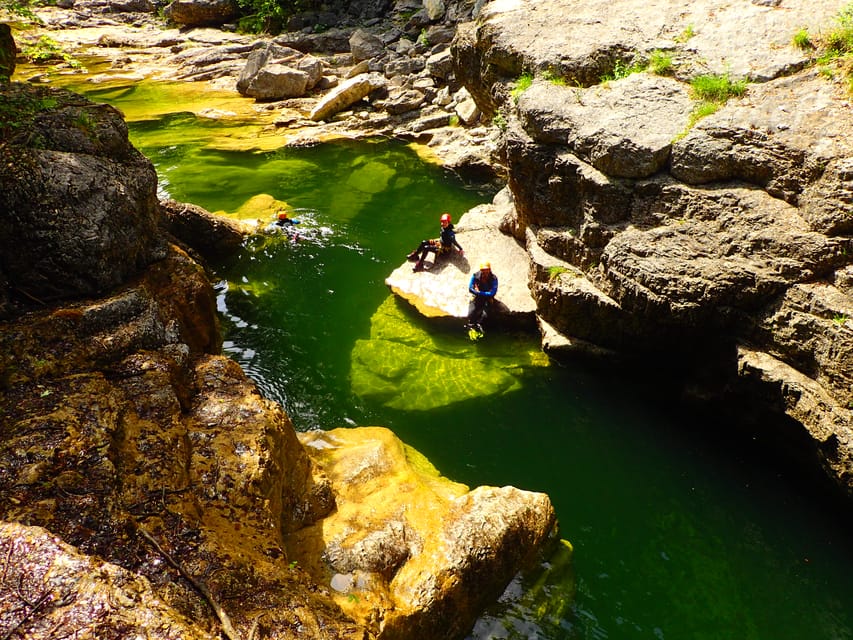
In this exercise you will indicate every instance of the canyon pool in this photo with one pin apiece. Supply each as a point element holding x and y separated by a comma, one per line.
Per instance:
<point>680,528</point>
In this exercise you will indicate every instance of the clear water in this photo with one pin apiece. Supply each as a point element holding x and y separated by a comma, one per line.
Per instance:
<point>677,534</point>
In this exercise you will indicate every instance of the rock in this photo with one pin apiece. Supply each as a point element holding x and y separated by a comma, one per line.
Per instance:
<point>468,111</point>
<point>83,591</point>
<point>346,94</point>
<point>79,211</point>
<point>401,101</point>
<point>197,13</point>
<point>7,51</point>
<point>654,235</point>
<point>440,65</point>
<point>456,552</point>
<point>276,81</point>
<point>747,41</point>
<point>434,9</point>
<point>365,46</point>
<point>624,129</point>
<point>442,290</point>
<point>213,237</point>
<point>262,54</point>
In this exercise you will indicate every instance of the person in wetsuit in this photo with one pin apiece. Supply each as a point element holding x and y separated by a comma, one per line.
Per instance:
<point>483,287</point>
<point>439,246</point>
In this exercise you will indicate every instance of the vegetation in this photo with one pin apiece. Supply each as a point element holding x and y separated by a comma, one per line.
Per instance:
<point>716,88</point>
<point>270,15</point>
<point>555,271</point>
<point>660,63</point>
<point>521,85</point>
<point>840,318</point>
<point>550,76</point>
<point>702,110</point>
<point>15,110</point>
<point>48,50</point>
<point>17,8</point>
<point>685,35</point>
<point>802,40</point>
<point>622,70</point>
<point>499,120</point>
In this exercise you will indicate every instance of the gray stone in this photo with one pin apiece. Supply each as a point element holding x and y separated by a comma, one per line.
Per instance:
<point>365,45</point>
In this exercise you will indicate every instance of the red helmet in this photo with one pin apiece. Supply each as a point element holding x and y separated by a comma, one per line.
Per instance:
<point>445,217</point>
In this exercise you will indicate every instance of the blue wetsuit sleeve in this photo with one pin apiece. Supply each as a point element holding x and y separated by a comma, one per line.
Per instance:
<point>471,288</point>
<point>491,293</point>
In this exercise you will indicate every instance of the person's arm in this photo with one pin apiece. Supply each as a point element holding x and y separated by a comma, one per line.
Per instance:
<point>492,292</point>
<point>471,288</point>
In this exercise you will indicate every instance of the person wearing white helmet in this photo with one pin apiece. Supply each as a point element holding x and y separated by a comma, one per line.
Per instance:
<point>438,246</point>
<point>483,286</point>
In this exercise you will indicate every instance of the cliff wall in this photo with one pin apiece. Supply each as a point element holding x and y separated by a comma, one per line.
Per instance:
<point>702,238</point>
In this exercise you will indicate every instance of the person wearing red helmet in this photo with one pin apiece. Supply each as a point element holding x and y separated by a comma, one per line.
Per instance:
<point>439,246</point>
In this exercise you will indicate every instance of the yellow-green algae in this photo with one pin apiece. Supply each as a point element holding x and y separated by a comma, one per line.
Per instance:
<point>408,367</point>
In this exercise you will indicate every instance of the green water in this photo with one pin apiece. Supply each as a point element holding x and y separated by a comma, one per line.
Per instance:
<point>677,534</point>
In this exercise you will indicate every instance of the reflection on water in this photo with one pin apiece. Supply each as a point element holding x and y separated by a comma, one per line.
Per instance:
<point>677,534</point>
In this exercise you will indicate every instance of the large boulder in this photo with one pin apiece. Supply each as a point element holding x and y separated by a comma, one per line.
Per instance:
<point>347,94</point>
<point>441,291</point>
<point>78,202</point>
<point>199,13</point>
<point>421,573</point>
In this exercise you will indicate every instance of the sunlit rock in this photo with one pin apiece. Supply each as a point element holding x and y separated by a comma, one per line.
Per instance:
<point>50,585</point>
<point>442,289</point>
<point>407,552</point>
<point>346,94</point>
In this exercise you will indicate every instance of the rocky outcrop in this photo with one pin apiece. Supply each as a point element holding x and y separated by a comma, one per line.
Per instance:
<point>413,572</point>
<point>7,52</point>
<point>719,247</point>
<point>63,235</point>
<point>146,487</point>
<point>441,291</point>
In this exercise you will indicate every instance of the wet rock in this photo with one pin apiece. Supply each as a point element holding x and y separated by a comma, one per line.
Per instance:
<point>213,237</point>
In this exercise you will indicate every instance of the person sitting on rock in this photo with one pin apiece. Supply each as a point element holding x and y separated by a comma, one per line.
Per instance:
<point>438,246</point>
<point>484,287</point>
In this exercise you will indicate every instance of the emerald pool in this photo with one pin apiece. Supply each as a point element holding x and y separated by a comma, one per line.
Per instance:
<point>681,530</point>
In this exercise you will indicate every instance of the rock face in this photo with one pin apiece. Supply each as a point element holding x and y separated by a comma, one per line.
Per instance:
<point>413,572</point>
<point>77,201</point>
<point>146,487</point>
<point>721,247</point>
